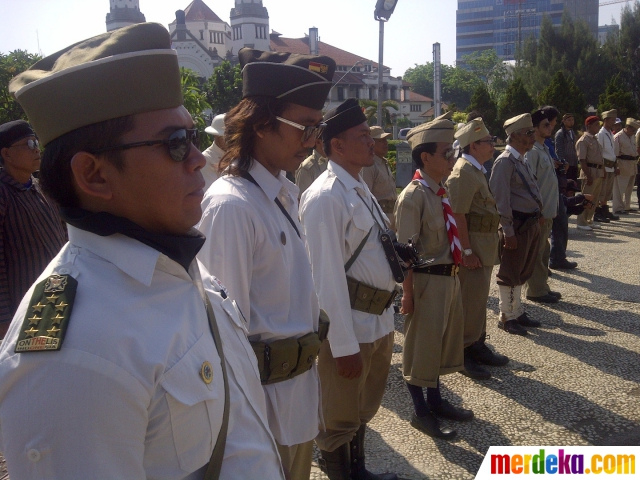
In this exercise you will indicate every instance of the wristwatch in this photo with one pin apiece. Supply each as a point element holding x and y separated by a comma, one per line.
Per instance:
<point>467,251</point>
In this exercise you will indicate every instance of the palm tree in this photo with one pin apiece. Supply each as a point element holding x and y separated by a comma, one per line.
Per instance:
<point>371,111</point>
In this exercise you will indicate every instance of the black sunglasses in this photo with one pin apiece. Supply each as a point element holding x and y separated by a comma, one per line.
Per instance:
<point>32,144</point>
<point>179,144</point>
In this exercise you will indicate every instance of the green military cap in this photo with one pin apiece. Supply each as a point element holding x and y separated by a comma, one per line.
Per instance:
<point>124,72</point>
<point>301,79</point>
<point>609,114</point>
<point>518,123</point>
<point>471,132</point>
<point>438,130</point>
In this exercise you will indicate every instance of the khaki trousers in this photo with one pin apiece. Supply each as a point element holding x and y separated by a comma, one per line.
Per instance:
<point>474,287</point>
<point>434,332</point>
<point>516,266</point>
<point>586,217</point>
<point>297,459</point>
<point>347,404</point>
<point>607,188</point>
<point>537,284</point>
<point>622,189</point>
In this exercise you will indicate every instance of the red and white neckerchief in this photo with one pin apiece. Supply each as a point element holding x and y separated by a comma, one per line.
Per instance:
<point>452,227</point>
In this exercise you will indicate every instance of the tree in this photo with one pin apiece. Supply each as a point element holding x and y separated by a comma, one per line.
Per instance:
<point>421,76</point>
<point>371,111</point>
<point>403,122</point>
<point>563,94</point>
<point>482,103</point>
<point>224,87</point>
<point>11,65</point>
<point>490,70</point>
<point>195,101</point>
<point>617,96</point>
<point>629,47</point>
<point>516,101</point>
<point>458,83</point>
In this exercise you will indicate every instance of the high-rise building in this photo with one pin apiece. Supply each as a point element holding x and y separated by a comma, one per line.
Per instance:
<point>504,25</point>
<point>123,13</point>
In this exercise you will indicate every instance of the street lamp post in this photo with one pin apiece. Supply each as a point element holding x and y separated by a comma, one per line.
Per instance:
<point>382,13</point>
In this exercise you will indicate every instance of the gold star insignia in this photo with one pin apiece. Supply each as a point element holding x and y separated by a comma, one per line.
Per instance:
<point>57,319</point>
<point>38,308</point>
<point>52,298</point>
<point>34,320</point>
<point>53,331</point>
<point>61,305</point>
<point>31,332</point>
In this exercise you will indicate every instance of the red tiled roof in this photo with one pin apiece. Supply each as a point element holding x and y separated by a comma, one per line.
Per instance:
<point>416,97</point>
<point>301,46</point>
<point>349,78</point>
<point>432,110</point>
<point>198,11</point>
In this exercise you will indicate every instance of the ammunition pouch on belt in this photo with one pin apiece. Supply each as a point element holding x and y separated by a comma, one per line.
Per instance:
<point>287,358</point>
<point>365,298</point>
<point>609,163</point>
<point>527,220</point>
<point>597,166</point>
<point>483,223</point>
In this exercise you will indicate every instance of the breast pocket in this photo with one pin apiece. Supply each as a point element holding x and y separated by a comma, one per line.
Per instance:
<point>436,231</point>
<point>195,406</point>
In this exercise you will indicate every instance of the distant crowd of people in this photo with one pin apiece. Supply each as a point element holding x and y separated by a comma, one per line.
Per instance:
<point>174,314</point>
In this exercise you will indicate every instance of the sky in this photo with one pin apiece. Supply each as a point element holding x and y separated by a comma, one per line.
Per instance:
<point>51,25</point>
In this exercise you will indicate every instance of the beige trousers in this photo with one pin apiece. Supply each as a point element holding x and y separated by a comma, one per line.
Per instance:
<point>474,287</point>
<point>347,404</point>
<point>622,189</point>
<point>586,217</point>
<point>537,284</point>
<point>607,188</point>
<point>297,459</point>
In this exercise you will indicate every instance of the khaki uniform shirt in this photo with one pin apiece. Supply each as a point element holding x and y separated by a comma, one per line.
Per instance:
<point>419,211</point>
<point>510,191</point>
<point>309,170</point>
<point>626,145</point>
<point>588,148</point>
<point>469,194</point>
<point>541,163</point>
<point>379,179</point>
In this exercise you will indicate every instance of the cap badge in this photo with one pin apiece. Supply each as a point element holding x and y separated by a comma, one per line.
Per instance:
<point>318,67</point>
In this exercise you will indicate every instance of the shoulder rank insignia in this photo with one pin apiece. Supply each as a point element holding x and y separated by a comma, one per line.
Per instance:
<point>47,318</point>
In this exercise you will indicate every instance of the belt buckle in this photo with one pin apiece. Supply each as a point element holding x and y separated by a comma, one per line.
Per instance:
<point>454,270</point>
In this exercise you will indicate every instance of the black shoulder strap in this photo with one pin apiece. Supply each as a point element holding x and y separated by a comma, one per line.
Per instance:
<point>526,183</point>
<point>354,257</point>
<point>248,176</point>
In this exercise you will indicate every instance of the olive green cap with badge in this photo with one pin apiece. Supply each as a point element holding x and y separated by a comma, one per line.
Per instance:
<point>471,132</point>
<point>438,130</point>
<point>609,114</point>
<point>518,123</point>
<point>301,79</point>
<point>120,73</point>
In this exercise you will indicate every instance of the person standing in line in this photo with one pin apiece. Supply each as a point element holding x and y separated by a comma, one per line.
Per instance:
<point>261,255</point>
<point>477,219</point>
<point>591,171</point>
<point>378,177</point>
<point>606,141</point>
<point>627,154</point>
<point>519,204</point>
<point>215,152</point>
<point>312,167</point>
<point>565,143</point>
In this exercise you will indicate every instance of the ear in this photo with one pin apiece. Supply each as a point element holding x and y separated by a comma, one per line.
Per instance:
<point>91,175</point>
<point>336,145</point>
<point>424,156</point>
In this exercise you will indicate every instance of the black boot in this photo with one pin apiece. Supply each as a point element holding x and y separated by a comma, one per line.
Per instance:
<point>471,367</point>
<point>607,213</point>
<point>599,216</point>
<point>484,355</point>
<point>358,470</point>
<point>337,464</point>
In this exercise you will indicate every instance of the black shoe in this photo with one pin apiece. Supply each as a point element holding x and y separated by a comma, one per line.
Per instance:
<point>448,411</point>
<point>358,470</point>
<point>631,210</point>
<point>525,321</point>
<point>482,354</point>
<point>600,216</point>
<point>337,464</point>
<point>431,426</point>
<point>472,369</point>
<point>546,298</point>
<point>607,213</point>
<point>621,212</point>
<point>512,327</point>
<point>558,295</point>
<point>563,265</point>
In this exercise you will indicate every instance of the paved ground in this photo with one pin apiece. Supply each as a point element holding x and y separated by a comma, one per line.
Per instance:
<point>576,381</point>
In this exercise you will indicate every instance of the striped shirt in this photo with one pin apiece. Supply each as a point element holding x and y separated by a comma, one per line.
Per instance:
<point>31,234</point>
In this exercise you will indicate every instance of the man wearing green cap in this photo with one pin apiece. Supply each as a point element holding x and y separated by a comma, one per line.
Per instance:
<point>263,260</point>
<point>477,219</point>
<point>342,222</point>
<point>113,366</point>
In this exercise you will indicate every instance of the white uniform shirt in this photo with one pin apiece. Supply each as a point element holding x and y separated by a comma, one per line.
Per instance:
<point>472,160</point>
<point>123,398</point>
<point>335,221</point>
<point>270,280</point>
<point>605,139</point>
<point>213,154</point>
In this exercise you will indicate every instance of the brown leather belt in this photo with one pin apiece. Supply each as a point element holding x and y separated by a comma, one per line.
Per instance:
<point>447,270</point>
<point>594,165</point>
<point>626,157</point>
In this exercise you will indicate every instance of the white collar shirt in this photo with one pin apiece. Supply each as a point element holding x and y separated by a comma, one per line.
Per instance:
<point>213,154</point>
<point>605,139</point>
<point>335,221</point>
<point>256,253</point>
<point>514,152</point>
<point>474,162</point>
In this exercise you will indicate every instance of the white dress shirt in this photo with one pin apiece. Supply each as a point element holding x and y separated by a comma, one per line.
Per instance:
<point>471,159</point>
<point>213,154</point>
<point>335,221</point>
<point>605,139</point>
<point>254,250</point>
<point>123,398</point>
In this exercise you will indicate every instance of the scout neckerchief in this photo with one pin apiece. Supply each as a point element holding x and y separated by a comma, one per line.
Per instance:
<point>452,227</point>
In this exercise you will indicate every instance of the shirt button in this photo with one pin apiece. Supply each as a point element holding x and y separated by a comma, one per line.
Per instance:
<point>33,455</point>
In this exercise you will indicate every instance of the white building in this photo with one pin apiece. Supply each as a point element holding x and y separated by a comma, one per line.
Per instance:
<point>249,25</point>
<point>123,13</point>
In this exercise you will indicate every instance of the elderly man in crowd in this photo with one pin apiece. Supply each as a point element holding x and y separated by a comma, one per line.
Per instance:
<point>591,170</point>
<point>215,152</point>
<point>627,153</point>
<point>606,141</point>
<point>378,176</point>
<point>312,167</point>
<point>565,143</point>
